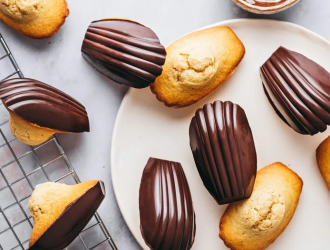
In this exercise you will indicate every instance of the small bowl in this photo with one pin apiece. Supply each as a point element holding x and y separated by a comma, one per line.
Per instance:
<point>264,6</point>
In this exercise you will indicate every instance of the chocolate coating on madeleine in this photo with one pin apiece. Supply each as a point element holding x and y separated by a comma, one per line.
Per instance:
<point>43,105</point>
<point>166,209</point>
<point>124,51</point>
<point>299,91</point>
<point>223,148</point>
<point>74,219</point>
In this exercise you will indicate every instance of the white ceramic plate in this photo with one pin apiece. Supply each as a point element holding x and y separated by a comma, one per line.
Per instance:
<point>146,128</point>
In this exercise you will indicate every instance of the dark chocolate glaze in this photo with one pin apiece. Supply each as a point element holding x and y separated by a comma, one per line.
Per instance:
<point>69,225</point>
<point>166,209</point>
<point>223,148</point>
<point>41,104</point>
<point>299,91</point>
<point>261,3</point>
<point>124,51</point>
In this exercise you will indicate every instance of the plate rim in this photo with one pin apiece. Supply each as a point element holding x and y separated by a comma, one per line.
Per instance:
<point>120,110</point>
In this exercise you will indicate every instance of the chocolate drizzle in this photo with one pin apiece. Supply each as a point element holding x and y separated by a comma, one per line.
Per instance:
<point>265,3</point>
<point>223,148</point>
<point>41,104</point>
<point>299,91</point>
<point>166,209</point>
<point>124,51</point>
<point>74,219</point>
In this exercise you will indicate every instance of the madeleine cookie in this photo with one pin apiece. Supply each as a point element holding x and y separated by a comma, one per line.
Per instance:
<point>222,144</point>
<point>34,18</point>
<point>323,160</point>
<point>196,65</point>
<point>125,51</point>
<point>255,223</point>
<point>60,212</point>
<point>166,209</point>
<point>298,90</point>
<point>38,111</point>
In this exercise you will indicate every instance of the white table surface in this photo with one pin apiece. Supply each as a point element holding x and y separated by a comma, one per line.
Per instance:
<point>58,61</point>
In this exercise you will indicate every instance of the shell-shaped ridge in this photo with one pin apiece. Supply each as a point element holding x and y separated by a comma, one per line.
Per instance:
<point>124,51</point>
<point>223,148</point>
<point>43,105</point>
<point>299,91</point>
<point>166,210</point>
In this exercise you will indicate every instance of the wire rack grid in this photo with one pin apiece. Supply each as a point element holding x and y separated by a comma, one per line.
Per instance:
<point>22,168</point>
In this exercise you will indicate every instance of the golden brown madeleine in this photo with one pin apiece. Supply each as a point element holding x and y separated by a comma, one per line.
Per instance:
<point>34,18</point>
<point>196,65</point>
<point>323,160</point>
<point>60,212</point>
<point>255,223</point>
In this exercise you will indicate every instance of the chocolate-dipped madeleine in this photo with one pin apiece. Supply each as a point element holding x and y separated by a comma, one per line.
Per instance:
<point>223,148</point>
<point>37,110</point>
<point>299,91</point>
<point>166,209</point>
<point>60,212</point>
<point>125,51</point>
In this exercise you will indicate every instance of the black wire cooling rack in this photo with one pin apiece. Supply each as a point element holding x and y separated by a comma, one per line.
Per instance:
<point>22,168</point>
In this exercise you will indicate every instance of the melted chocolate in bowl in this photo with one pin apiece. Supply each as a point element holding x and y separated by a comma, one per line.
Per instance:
<point>265,3</point>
